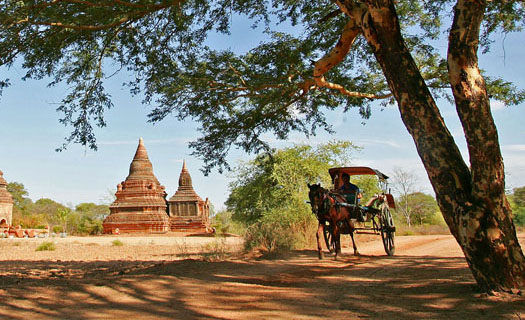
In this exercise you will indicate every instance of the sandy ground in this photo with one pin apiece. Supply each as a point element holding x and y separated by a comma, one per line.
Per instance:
<point>160,277</point>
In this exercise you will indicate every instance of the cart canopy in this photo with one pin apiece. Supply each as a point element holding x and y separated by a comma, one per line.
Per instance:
<point>354,171</point>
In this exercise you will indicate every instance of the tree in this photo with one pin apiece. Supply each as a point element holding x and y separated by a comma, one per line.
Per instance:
<point>519,196</point>
<point>92,210</point>
<point>18,192</point>
<point>49,210</point>
<point>21,205</point>
<point>62,215</point>
<point>422,207</point>
<point>404,183</point>
<point>346,53</point>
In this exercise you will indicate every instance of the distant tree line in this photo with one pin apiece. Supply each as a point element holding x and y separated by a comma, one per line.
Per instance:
<point>83,219</point>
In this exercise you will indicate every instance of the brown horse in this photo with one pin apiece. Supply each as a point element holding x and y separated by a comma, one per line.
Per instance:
<point>328,207</point>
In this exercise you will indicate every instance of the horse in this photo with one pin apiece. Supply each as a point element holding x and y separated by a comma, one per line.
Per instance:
<point>328,207</point>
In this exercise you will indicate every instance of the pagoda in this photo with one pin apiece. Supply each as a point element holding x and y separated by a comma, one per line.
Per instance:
<point>6,203</point>
<point>187,211</point>
<point>140,204</point>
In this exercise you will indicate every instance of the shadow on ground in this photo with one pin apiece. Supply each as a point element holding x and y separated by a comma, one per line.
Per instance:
<point>299,287</point>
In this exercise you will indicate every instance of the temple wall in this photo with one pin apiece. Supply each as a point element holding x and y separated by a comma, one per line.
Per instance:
<point>179,209</point>
<point>6,212</point>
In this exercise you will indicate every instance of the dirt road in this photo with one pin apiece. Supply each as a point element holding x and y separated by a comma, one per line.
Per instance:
<point>187,278</point>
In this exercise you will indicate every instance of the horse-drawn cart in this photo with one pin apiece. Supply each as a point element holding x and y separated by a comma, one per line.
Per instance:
<point>374,217</point>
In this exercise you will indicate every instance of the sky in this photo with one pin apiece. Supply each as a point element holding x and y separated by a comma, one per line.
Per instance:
<point>30,133</point>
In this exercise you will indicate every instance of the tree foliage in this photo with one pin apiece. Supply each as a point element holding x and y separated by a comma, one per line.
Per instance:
<point>85,219</point>
<point>285,83</point>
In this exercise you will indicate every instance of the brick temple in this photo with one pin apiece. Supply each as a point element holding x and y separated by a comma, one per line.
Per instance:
<point>188,212</point>
<point>140,204</point>
<point>141,207</point>
<point>6,203</point>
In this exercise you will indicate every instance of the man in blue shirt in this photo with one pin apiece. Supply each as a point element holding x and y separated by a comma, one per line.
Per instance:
<point>351,193</point>
<point>347,186</point>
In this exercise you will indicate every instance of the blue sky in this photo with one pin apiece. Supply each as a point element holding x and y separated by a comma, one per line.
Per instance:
<point>30,132</point>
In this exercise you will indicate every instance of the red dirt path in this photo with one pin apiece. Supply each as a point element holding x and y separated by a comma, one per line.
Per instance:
<point>156,278</point>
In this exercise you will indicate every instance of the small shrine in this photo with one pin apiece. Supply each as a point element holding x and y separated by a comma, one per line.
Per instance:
<point>187,211</point>
<point>140,204</point>
<point>6,203</point>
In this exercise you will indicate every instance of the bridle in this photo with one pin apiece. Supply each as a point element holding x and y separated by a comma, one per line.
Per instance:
<point>322,201</point>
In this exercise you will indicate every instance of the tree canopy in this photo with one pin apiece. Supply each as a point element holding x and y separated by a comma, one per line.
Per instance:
<point>285,83</point>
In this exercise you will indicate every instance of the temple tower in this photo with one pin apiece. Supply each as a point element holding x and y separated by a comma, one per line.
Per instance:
<point>140,204</point>
<point>187,211</point>
<point>6,203</point>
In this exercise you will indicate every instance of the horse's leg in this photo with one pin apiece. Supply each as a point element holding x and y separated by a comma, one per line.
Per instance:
<point>319,236</point>
<point>337,239</point>
<point>352,229</point>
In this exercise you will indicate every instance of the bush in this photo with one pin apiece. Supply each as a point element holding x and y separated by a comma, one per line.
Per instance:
<point>46,246</point>
<point>58,229</point>
<point>117,243</point>
<point>217,250</point>
<point>270,238</point>
<point>223,223</point>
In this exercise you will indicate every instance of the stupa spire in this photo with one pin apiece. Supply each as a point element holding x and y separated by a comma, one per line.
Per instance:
<point>141,167</point>
<point>187,210</point>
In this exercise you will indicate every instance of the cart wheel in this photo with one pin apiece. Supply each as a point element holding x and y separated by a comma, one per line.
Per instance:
<point>387,230</point>
<point>328,238</point>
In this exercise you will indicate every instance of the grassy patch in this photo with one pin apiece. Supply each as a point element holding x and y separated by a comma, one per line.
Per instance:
<point>117,243</point>
<point>403,230</point>
<point>216,250</point>
<point>46,246</point>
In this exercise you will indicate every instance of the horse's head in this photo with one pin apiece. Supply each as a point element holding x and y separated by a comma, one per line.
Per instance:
<point>316,194</point>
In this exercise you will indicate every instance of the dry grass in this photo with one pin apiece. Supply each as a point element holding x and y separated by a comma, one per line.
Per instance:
<point>402,230</point>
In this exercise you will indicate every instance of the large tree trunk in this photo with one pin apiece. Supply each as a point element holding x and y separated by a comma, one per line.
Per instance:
<point>490,244</point>
<point>473,203</point>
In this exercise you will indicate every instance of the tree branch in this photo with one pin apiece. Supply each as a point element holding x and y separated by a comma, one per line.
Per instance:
<point>332,59</point>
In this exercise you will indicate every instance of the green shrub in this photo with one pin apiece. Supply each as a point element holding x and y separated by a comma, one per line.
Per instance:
<point>223,223</point>
<point>519,217</point>
<point>117,243</point>
<point>408,232</point>
<point>216,250</point>
<point>58,229</point>
<point>46,246</point>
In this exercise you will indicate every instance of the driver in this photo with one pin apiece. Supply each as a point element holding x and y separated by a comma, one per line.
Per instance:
<point>349,187</point>
<point>352,193</point>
